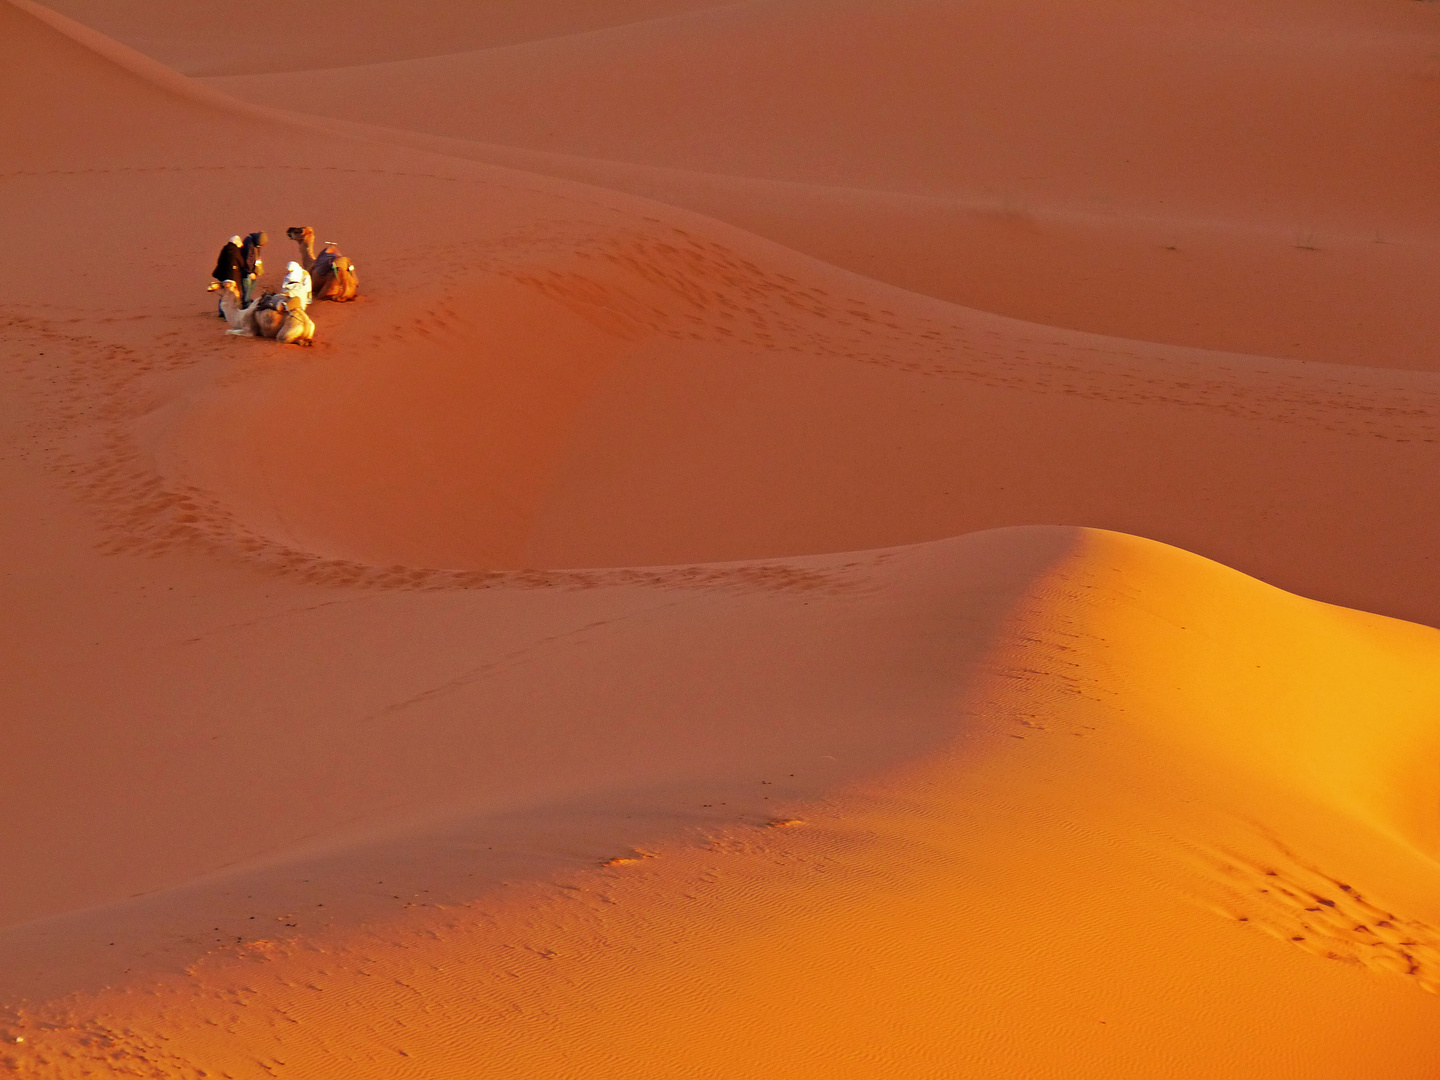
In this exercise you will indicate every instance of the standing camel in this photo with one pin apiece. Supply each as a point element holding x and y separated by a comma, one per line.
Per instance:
<point>333,274</point>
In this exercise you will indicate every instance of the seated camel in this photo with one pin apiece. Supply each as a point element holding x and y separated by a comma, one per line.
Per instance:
<point>333,274</point>
<point>283,318</point>
<point>272,316</point>
<point>240,317</point>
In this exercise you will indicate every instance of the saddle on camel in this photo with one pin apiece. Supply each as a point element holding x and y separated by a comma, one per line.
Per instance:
<point>274,315</point>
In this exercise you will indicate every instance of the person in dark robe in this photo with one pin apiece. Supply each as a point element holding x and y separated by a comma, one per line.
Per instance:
<point>254,267</point>
<point>230,266</point>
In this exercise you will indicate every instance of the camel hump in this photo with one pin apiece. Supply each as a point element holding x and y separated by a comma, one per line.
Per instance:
<point>334,276</point>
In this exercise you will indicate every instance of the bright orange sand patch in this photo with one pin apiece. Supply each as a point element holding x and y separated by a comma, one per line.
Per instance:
<point>626,646</point>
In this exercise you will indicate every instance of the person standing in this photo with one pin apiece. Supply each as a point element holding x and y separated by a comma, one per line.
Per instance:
<point>253,266</point>
<point>230,265</point>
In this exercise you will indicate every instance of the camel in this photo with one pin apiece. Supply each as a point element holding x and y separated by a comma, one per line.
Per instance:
<point>296,328</point>
<point>272,316</point>
<point>240,317</point>
<point>273,308</point>
<point>270,312</point>
<point>333,274</point>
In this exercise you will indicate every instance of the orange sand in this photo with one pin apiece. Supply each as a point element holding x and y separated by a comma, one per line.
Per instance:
<point>690,617</point>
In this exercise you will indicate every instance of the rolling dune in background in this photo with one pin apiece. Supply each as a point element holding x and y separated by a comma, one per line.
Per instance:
<point>816,552</point>
<point>1224,175</point>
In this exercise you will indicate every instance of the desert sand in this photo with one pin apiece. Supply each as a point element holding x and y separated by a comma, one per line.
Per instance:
<point>838,540</point>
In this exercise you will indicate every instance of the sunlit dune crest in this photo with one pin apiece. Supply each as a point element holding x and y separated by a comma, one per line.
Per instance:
<point>835,540</point>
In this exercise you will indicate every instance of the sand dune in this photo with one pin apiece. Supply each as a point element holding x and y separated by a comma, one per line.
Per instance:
<point>628,646</point>
<point>679,364</point>
<point>1342,297</point>
<point>1164,182</point>
<point>882,904</point>
<point>945,99</point>
<point>640,407</point>
<point>201,40</point>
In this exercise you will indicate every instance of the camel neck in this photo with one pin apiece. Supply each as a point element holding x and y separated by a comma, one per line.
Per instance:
<point>307,254</point>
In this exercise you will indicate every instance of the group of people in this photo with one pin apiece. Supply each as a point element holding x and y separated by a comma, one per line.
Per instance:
<point>280,315</point>
<point>240,262</point>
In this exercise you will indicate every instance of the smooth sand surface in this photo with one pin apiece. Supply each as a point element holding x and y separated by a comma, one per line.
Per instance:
<point>781,572</point>
<point>1230,175</point>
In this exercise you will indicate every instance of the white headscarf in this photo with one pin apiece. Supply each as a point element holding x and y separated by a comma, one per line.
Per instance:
<point>296,284</point>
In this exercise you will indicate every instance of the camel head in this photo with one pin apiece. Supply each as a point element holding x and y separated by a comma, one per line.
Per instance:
<point>304,236</point>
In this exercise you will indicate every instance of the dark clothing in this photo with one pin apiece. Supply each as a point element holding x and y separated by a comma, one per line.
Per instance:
<point>241,264</point>
<point>251,251</point>
<point>231,264</point>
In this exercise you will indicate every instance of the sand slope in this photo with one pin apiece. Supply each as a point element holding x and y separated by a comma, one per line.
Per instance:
<point>1166,181</point>
<point>573,665</point>
<point>1064,712</point>
<point>678,363</point>
<point>944,99</point>
<point>200,41</point>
